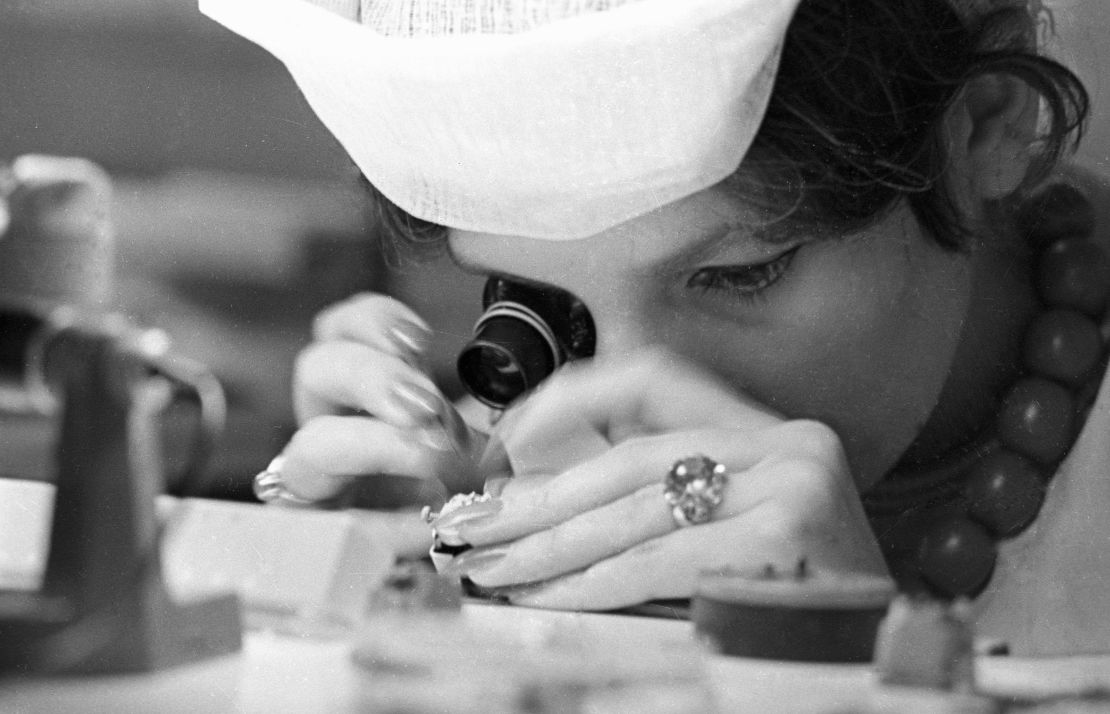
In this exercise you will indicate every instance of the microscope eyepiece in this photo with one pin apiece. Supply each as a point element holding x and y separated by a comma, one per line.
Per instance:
<point>524,335</point>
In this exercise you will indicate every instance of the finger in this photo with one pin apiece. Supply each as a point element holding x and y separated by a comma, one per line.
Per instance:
<point>669,567</point>
<point>657,391</point>
<point>521,484</point>
<point>337,375</point>
<point>663,568</point>
<point>567,546</point>
<point>329,451</point>
<point>378,321</point>
<point>782,489</point>
<point>635,464</point>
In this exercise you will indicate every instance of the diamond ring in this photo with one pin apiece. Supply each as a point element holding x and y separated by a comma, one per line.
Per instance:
<point>694,487</point>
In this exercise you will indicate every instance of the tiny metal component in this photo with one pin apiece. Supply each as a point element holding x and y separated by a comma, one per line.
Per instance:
<point>440,552</point>
<point>416,587</point>
<point>926,643</point>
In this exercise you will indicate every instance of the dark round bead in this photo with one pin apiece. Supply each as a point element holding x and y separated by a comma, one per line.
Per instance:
<point>1064,345</point>
<point>1059,211</point>
<point>900,534</point>
<point>956,557</point>
<point>1036,419</point>
<point>1004,492</point>
<point>1074,274</point>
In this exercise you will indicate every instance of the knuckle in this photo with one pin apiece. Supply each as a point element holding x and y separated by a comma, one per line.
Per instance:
<point>321,322</point>
<point>543,503</point>
<point>309,434</point>
<point>310,363</point>
<point>327,321</point>
<point>364,305</point>
<point>816,439</point>
<point>303,364</point>
<point>810,484</point>
<point>363,300</point>
<point>778,523</point>
<point>330,321</point>
<point>803,471</point>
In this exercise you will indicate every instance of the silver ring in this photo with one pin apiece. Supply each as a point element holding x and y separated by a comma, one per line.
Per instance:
<point>269,485</point>
<point>694,487</point>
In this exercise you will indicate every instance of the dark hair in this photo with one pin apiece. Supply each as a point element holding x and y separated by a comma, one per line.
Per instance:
<point>854,122</point>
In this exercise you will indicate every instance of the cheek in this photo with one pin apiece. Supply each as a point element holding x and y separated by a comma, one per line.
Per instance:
<point>861,338</point>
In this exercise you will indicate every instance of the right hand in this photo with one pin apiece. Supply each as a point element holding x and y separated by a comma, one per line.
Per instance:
<point>366,407</point>
<point>596,533</point>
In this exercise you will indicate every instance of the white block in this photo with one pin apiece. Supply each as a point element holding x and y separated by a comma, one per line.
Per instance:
<point>315,564</point>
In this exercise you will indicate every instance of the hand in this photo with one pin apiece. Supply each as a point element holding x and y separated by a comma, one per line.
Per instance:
<point>366,406</point>
<point>599,534</point>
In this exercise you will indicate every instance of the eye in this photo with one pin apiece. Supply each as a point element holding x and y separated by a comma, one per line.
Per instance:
<point>744,281</point>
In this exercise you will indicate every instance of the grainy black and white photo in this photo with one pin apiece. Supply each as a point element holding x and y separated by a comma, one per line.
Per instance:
<point>543,356</point>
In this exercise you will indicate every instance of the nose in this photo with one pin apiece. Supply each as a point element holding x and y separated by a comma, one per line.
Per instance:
<point>622,329</point>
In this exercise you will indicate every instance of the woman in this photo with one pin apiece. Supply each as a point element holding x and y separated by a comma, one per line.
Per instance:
<point>841,318</point>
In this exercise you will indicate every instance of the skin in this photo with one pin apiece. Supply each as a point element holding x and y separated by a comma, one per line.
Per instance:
<point>809,381</point>
<point>885,306</point>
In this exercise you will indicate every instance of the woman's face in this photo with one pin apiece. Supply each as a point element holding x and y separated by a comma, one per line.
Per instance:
<point>856,331</point>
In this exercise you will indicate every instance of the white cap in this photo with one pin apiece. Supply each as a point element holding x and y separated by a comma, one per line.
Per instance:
<point>557,127</point>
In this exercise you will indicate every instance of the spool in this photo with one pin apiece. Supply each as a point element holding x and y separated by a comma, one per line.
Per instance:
<point>57,247</point>
<point>56,261</point>
<point>794,616</point>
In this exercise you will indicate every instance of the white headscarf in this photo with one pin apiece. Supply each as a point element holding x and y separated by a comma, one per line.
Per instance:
<point>557,126</point>
<point>552,119</point>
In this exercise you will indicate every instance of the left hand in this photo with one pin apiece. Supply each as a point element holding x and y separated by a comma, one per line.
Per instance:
<point>600,535</point>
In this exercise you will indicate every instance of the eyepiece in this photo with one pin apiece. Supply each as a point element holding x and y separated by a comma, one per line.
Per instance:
<point>513,350</point>
<point>526,333</point>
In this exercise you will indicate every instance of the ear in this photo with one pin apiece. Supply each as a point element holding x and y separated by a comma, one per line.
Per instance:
<point>996,123</point>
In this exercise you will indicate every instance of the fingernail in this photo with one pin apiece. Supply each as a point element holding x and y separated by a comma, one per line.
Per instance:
<point>520,594</point>
<point>450,524</point>
<point>495,486</point>
<point>436,438</point>
<point>419,403</point>
<point>410,337</point>
<point>446,431</point>
<point>476,559</point>
<point>456,428</point>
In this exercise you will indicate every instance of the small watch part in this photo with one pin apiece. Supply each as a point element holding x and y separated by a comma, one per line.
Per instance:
<point>928,643</point>
<point>454,503</point>
<point>794,612</point>
<point>414,586</point>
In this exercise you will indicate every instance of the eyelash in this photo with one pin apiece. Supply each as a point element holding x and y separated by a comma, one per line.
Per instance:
<point>746,282</point>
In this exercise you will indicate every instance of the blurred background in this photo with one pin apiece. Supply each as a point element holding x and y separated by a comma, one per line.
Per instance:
<point>237,215</point>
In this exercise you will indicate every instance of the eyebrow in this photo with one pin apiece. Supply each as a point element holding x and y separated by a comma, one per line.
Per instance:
<point>775,233</point>
<point>772,233</point>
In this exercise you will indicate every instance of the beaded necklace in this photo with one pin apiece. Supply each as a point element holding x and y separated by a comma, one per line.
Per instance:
<point>940,528</point>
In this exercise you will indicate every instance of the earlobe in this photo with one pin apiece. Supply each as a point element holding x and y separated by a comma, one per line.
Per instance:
<point>1002,113</point>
